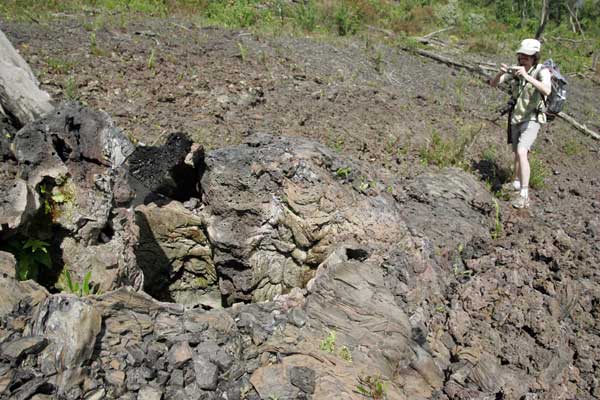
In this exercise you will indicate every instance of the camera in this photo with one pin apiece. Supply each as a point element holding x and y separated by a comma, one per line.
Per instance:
<point>512,69</point>
<point>507,107</point>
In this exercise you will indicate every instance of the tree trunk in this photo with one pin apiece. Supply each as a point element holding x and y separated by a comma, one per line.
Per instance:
<point>543,19</point>
<point>20,96</point>
<point>574,19</point>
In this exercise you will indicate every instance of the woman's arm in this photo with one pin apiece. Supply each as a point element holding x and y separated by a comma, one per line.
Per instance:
<point>496,79</point>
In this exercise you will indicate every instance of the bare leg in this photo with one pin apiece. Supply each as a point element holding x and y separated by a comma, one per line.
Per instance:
<point>523,167</point>
<point>517,169</point>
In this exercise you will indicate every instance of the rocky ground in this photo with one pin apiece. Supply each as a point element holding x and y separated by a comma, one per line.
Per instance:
<point>510,310</point>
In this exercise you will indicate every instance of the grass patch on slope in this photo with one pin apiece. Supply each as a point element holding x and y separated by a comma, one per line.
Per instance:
<point>476,25</point>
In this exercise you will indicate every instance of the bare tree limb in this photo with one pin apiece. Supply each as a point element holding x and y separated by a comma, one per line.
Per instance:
<point>381,30</point>
<point>567,39</point>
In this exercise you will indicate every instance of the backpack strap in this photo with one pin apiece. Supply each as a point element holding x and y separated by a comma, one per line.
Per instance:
<point>537,75</point>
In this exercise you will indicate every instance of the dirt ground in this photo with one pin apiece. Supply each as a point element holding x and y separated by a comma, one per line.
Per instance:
<point>373,102</point>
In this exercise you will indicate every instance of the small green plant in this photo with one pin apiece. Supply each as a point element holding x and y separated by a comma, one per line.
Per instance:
<point>438,152</point>
<point>371,386</point>
<point>94,48</point>
<point>497,231</point>
<point>243,51</point>
<point>59,66</point>
<point>343,172</point>
<point>460,272</point>
<point>237,14</point>
<point>378,61</point>
<point>263,59</point>
<point>57,196</point>
<point>80,289</point>
<point>489,154</point>
<point>328,344</point>
<point>457,264</point>
<point>345,354</point>
<point>70,88</point>
<point>539,172</point>
<point>338,144</point>
<point>572,147</point>
<point>363,186</point>
<point>31,255</point>
<point>151,59</point>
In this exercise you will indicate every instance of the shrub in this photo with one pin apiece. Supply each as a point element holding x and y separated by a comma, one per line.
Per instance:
<point>372,386</point>
<point>485,45</point>
<point>236,14</point>
<point>305,16</point>
<point>497,230</point>
<point>59,66</point>
<point>539,171</point>
<point>346,354</point>
<point>449,12</point>
<point>449,153</point>
<point>346,20</point>
<point>418,20</point>
<point>328,344</point>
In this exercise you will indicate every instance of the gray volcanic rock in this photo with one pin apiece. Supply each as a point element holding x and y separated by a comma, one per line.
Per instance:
<point>21,347</point>
<point>70,171</point>
<point>14,291</point>
<point>13,201</point>
<point>276,208</point>
<point>71,326</point>
<point>364,289</point>
<point>176,256</point>
<point>454,201</point>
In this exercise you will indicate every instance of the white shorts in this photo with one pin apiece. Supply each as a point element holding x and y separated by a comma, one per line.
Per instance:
<point>524,134</point>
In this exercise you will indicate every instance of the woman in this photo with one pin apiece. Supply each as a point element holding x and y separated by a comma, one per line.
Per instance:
<point>530,84</point>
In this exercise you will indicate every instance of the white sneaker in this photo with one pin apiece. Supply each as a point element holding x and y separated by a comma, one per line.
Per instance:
<point>521,202</point>
<point>516,185</point>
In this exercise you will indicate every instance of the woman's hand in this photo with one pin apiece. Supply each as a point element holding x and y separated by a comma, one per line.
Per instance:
<point>519,71</point>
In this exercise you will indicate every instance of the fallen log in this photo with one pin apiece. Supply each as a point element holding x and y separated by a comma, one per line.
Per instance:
<point>579,126</point>
<point>477,69</point>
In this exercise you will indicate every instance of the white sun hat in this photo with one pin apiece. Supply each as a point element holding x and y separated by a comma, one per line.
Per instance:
<point>529,47</point>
